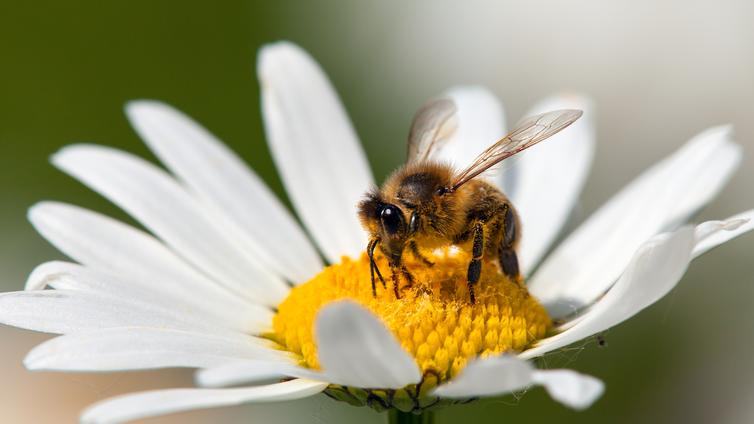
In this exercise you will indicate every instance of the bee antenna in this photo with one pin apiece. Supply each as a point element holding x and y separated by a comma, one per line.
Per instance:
<point>373,268</point>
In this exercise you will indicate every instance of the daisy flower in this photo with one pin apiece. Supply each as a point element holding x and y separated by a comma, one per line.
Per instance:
<point>228,282</point>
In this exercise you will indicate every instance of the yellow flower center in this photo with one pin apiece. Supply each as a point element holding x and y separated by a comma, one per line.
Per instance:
<point>433,319</point>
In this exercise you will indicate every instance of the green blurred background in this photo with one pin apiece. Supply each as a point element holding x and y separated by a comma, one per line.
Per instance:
<point>659,73</point>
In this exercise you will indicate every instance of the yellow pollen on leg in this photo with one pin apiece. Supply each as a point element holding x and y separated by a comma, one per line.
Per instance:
<point>433,319</point>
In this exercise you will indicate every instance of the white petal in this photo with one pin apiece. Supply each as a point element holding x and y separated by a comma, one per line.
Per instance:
<point>373,337</point>
<point>68,311</point>
<point>733,227</point>
<point>356,349</point>
<point>315,148</point>
<point>42,275</point>
<point>570,388</point>
<point>505,374</point>
<point>138,348</point>
<point>68,276</point>
<point>246,372</point>
<point>256,372</point>
<point>160,402</point>
<point>654,270</point>
<point>481,122</point>
<point>550,177</point>
<point>587,263</point>
<point>165,208</point>
<point>138,259</point>
<point>228,187</point>
<point>488,377</point>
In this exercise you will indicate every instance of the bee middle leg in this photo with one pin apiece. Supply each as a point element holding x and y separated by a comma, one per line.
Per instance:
<point>418,255</point>
<point>475,266</point>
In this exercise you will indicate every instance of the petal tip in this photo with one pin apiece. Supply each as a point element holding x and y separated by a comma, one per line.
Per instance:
<point>58,158</point>
<point>270,54</point>
<point>137,107</point>
<point>32,360</point>
<point>477,89</point>
<point>565,100</point>
<point>65,157</point>
<point>42,274</point>
<point>572,389</point>
<point>723,132</point>
<point>339,307</point>
<point>36,211</point>
<point>735,224</point>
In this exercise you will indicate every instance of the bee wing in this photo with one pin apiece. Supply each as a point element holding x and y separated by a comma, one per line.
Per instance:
<point>432,126</point>
<point>529,132</point>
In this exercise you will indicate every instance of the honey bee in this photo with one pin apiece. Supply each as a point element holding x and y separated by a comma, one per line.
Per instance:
<point>428,204</point>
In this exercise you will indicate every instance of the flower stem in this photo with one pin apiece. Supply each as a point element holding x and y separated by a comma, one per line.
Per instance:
<point>397,417</point>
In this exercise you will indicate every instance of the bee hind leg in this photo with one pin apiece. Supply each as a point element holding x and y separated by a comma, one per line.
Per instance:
<point>475,266</point>
<point>508,257</point>
<point>509,262</point>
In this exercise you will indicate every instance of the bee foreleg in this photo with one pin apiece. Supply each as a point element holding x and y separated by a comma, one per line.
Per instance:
<point>373,268</point>
<point>396,270</point>
<point>418,255</point>
<point>394,277</point>
<point>475,266</point>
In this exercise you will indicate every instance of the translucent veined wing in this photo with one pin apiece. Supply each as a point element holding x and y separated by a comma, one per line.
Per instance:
<point>529,132</point>
<point>432,126</point>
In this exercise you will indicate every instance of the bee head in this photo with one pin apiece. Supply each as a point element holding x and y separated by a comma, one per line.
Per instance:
<point>386,221</point>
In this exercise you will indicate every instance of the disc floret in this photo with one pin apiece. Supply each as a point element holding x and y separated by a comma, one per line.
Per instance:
<point>433,319</point>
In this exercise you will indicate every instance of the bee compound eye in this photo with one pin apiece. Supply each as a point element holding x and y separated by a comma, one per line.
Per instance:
<point>392,219</point>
